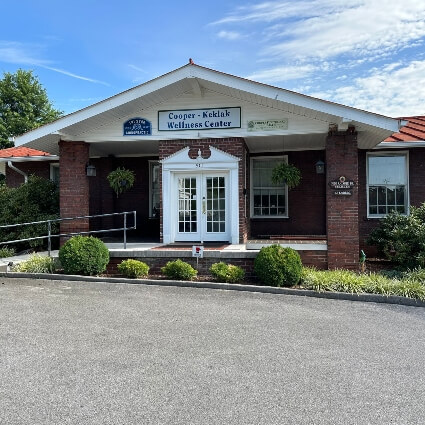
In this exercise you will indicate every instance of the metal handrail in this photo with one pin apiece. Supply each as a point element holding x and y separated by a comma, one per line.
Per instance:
<point>49,235</point>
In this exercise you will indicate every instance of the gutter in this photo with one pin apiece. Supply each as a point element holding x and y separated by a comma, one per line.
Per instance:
<point>10,164</point>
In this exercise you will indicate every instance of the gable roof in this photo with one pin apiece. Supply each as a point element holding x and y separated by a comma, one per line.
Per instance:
<point>192,72</point>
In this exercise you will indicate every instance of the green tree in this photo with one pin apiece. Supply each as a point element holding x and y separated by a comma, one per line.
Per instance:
<point>24,105</point>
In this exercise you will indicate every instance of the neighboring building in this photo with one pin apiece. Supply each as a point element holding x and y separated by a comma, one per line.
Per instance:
<point>203,143</point>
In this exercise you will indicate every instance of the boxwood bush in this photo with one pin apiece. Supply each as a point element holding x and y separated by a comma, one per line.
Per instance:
<point>179,270</point>
<point>84,255</point>
<point>278,266</point>
<point>229,273</point>
<point>133,268</point>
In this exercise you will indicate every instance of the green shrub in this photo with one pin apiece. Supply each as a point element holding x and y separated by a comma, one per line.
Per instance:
<point>84,255</point>
<point>415,275</point>
<point>278,266</point>
<point>133,268</point>
<point>373,283</point>
<point>36,200</point>
<point>6,252</point>
<point>179,270</point>
<point>401,238</point>
<point>229,273</point>
<point>36,264</point>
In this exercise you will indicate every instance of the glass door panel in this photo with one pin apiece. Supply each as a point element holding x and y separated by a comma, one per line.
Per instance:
<point>216,204</point>
<point>187,205</point>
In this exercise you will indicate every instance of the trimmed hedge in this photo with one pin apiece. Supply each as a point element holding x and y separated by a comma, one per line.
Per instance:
<point>228,273</point>
<point>133,268</point>
<point>84,255</point>
<point>179,270</point>
<point>278,266</point>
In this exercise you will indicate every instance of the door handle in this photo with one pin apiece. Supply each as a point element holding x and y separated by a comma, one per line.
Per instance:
<point>204,210</point>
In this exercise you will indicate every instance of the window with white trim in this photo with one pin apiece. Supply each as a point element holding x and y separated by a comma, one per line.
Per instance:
<point>387,183</point>
<point>268,199</point>
<point>154,189</point>
<point>54,173</point>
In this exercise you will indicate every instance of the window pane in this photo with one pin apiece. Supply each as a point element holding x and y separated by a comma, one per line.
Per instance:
<point>391,196</point>
<point>268,198</point>
<point>382,196</point>
<point>373,195</point>
<point>387,170</point>
<point>400,195</point>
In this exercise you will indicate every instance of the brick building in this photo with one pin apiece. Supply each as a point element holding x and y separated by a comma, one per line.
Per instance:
<point>202,145</point>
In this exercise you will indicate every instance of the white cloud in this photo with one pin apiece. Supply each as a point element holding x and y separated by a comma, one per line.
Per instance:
<point>393,90</point>
<point>283,73</point>
<point>20,54</point>
<point>229,35</point>
<point>328,28</point>
<point>30,55</point>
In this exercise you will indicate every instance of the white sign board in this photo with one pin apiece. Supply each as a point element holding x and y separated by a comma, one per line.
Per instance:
<point>199,119</point>
<point>198,251</point>
<point>268,125</point>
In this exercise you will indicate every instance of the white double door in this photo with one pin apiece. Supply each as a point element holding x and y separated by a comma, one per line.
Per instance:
<point>201,207</point>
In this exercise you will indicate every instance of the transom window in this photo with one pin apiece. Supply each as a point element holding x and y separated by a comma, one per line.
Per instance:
<point>268,199</point>
<point>387,180</point>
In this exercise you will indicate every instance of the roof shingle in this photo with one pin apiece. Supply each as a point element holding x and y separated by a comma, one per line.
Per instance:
<point>20,152</point>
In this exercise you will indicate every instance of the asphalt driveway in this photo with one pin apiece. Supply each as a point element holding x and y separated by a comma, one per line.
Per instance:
<point>99,353</point>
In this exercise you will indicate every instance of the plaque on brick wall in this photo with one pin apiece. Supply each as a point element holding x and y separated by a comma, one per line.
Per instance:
<point>342,186</point>
<point>137,127</point>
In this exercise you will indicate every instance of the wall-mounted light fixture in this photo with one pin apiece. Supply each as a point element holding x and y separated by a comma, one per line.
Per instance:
<point>320,167</point>
<point>90,170</point>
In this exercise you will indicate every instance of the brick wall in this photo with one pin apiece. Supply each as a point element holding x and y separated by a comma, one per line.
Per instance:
<point>36,168</point>
<point>342,211</point>
<point>232,145</point>
<point>317,259</point>
<point>306,202</point>
<point>103,199</point>
<point>416,188</point>
<point>74,185</point>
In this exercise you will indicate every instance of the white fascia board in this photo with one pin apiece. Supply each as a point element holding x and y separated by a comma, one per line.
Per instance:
<point>346,112</point>
<point>30,158</point>
<point>398,145</point>
<point>105,105</point>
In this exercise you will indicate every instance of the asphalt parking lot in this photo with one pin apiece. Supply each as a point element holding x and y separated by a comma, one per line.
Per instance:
<point>101,353</point>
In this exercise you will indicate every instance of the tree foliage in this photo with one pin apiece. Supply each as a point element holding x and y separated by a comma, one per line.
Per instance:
<point>36,200</point>
<point>24,105</point>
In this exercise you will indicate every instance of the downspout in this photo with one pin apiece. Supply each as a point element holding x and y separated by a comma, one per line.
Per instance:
<point>10,165</point>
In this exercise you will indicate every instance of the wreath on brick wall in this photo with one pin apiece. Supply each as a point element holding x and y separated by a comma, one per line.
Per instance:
<point>121,180</point>
<point>286,173</point>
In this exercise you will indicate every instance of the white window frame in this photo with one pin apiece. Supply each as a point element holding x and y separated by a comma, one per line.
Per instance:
<point>151,164</point>
<point>53,165</point>
<point>283,158</point>
<point>407,195</point>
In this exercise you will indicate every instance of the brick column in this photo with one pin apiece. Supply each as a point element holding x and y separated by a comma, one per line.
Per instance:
<point>74,185</point>
<point>342,211</point>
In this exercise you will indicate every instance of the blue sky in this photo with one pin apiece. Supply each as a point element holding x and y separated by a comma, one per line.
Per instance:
<point>363,53</point>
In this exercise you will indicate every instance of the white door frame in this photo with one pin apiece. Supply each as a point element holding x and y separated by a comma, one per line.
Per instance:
<point>179,162</point>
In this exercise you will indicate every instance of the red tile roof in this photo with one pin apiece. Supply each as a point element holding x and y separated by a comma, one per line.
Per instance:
<point>20,152</point>
<point>413,131</point>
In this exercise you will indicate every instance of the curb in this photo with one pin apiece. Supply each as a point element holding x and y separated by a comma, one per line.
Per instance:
<point>371,298</point>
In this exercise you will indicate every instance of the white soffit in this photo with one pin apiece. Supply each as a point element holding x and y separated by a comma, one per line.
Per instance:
<point>179,81</point>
